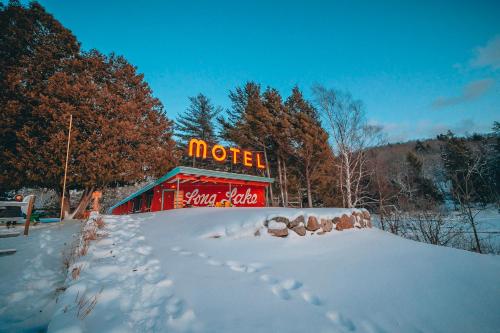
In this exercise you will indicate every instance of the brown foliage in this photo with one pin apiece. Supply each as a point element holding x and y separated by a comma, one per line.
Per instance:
<point>120,131</point>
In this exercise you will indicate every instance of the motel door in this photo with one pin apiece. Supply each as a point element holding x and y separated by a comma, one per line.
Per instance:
<point>167,199</point>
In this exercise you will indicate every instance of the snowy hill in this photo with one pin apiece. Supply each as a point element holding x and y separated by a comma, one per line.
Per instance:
<point>204,270</point>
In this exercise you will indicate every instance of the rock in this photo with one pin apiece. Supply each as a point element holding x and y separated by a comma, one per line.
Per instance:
<point>276,219</point>
<point>281,219</point>
<point>336,220</point>
<point>292,224</point>
<point>346,222</point>
<point>278,232</point>
<point>300,229</point>
<point>326,225</point>
<point>277,229</point>
<point>366,218</point>
<point>312,223</point>
<point>321,232</point>
<point>354,221</point>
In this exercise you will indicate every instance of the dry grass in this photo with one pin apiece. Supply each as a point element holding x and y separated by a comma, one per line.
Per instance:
<point>99,222</point>
<point>80,246</point>
<point>75,272</point>
<point>84,248</point>
<point>85,305</point>
<point>90,234</point>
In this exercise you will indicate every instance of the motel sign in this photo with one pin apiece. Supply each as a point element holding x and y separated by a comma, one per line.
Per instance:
<point>199,149</point>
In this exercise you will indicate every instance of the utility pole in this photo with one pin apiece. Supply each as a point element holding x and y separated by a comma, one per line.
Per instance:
<point>66,168</point>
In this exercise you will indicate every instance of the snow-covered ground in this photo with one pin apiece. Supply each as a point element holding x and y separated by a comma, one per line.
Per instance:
<point>203,270</point>
<point>487,224</point>
<point>30,278</point>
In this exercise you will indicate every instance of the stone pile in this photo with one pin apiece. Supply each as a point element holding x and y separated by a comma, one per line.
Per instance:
<point>280,226</point>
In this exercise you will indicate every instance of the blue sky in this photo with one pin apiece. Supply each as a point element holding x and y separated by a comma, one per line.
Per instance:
<point>420,68</point>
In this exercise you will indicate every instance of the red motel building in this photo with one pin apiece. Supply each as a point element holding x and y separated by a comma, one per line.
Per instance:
<point>192,187</point>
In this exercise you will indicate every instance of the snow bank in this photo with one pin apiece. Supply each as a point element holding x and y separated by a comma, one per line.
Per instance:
<point>161,272</point>
<point>32,278</point>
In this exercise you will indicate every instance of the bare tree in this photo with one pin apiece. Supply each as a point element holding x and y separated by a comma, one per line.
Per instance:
<point>464,190</point>
<point>351,136</point>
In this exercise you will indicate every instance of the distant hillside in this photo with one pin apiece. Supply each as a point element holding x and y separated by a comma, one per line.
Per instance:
<point>428,150</point>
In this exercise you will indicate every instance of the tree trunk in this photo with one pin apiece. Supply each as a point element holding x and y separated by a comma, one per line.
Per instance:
<point>269,176</point>
<point>381,213</point>
<point>65,204</point>
<point>341,182</point>
<point>286,184</point>
<point>473,224</point>
<point>309,196</point>
<point>82,204</point>
<point>348,180</point>
<point>281,181</point>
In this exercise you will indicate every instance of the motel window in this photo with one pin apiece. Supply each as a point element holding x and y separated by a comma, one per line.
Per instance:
<point>149,199</point>
<point>137,204</point>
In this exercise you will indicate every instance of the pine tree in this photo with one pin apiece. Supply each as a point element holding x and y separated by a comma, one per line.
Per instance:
<point>248,120</point>
<point>466,169</point>
<point>33,46</point>
<point>247,123</point>
<point>279,131</point>
<point>120,131</point>
<point>309,140</point>
<point>198,121</point>
<point>423,192</point>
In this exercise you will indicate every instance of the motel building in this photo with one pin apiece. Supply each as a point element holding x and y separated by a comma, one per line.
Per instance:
<point>184,187</point>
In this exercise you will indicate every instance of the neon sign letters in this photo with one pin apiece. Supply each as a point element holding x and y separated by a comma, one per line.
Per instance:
<point>199,149</point>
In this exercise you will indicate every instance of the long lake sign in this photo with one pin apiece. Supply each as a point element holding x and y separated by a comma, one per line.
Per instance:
<point>199,149</point>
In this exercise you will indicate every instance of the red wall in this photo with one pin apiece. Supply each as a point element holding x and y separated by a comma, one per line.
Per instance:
<point>199,195</point>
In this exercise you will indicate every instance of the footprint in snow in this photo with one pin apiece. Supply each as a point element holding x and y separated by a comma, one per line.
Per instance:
<point>174,307</point>
<point>370,328</point>
<point>291,284</point>
<point>203,255</point>
<point>268,279</point>
<point>280,292</point>
<point>311,298</point>
<point>257,266</point>
<point>183,322</point>
<point>176,248</point>
<point>214,262</point>
<point>339,319</point>
<point>238,268</point>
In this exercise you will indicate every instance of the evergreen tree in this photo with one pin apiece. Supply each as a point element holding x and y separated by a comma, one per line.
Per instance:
<point>279,132</point>
<point>120,132</point>
<point>495,160</point>
<point>33,46</point>
<point>465,168</point>
<point>309,141</point>
<point>423,192</point>
<point>248,121</point>
<point>197,122</point>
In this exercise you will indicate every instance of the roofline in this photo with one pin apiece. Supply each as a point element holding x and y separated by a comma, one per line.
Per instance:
<point>195,171</point>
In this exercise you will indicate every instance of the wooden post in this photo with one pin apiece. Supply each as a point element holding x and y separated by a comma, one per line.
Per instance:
<point>28,215</point>
<point>66,168</point>
<point>96,195</point>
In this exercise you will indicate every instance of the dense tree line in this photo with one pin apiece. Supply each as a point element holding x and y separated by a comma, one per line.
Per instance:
<point>322,151</point>
<point>288,133</point>
<point>121,133</point>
